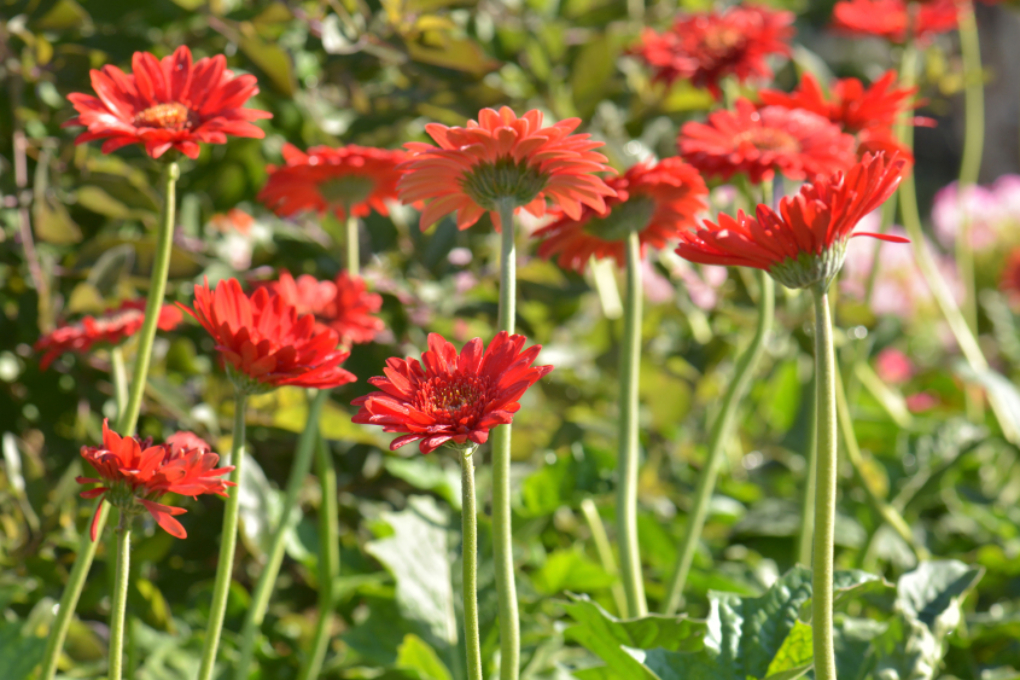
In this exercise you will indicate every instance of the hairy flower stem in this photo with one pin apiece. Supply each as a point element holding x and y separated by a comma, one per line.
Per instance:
<point>274,558</point>
<point>721,430</point>
<point>329,559</point>
<point>807,506</point>
<point>503,557</point>
<point>118,607</point>
<point>353,246</point>
<point>469,559</point>
<point>628,465</point>
<point>127,419</point>
<point>973,143</point>
<point>825,490</point>
<point>228,541</point>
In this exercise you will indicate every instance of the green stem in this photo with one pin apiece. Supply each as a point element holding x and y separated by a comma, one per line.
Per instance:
<point>887,512</point>
<point>807,507</point>
<point>228,541</point>
<point>120,588</point>
<point>329,559</point>
<point>721,431</point>
<point>274,558</point>
<point>127,418</point>
<point>353,247</point>
<point>604,550</point>
<point>974,132</point>
<point>119,374</point>
<point>469,558</point>
<point>502,529</point>
<point>825,491</point>
<point>629,461</point>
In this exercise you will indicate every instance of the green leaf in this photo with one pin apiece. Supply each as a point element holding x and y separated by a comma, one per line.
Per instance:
<point>855,652</point>
<point>847,585</point>
<point>272,60</point>
<point>260,507</point>
<point>795,656</point>
<point>414,653</point>
<point>19,653</point>
<point>419,558</point>
<point>605,635</point>
<point>54,225</point>
<point>546,489</point>
<point>592,72</point>
<point>571,570</point>
<point>428,474</point>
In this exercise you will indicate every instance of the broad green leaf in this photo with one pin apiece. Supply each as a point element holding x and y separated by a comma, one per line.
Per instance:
<point>546,489</point>
<point>428,474</point>
<point>592,72</point>
<point>414,653</point>
<point>53,224</point>
<point>272,60</point>
<point>849,584</point>
<point>570,570</point>
<point>418,556</point>
<point>438,48</point>
<point>855,652</point>
<point>260,508</point>
<point>605,635</point>
<point>795,656</point>
<point>146,600</point>
<point>19,652</point>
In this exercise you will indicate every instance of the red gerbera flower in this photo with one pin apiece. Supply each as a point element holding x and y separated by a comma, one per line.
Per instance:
<point>706,47</point>
<point>891,19</point>
<point>111,328</point>
<point>347,180</point>
<point>344,304</point>
<point>265,343</point>
<point>658,200</point>
<point>503,157</point>
<point>167,103</point>
<point>136,473</point>
<point>799,144</point>
<point>1009,282</point>
<point>453,398</point>
<point>805,243</point>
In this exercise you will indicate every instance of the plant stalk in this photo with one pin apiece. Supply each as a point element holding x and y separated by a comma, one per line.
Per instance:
<point>228,542</point>
<point>353,246</point>
<point>118,372</point>
<point>605,551</point>
<point>825,491</point>
<point>720,435</point>
<point>274,558</point>
<point>329,559</point>
<point>502,530</point>
<point>807,507</point>
<point>469,559</point>
<point>973,145</point>
<point>629,454</point>
<point>118,607</point>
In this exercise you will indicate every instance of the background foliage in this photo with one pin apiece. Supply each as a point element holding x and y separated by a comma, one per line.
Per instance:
<point>374,73</point>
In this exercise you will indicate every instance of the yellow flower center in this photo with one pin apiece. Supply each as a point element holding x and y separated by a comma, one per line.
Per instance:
<point>768,139</point>
<point>169,116</point>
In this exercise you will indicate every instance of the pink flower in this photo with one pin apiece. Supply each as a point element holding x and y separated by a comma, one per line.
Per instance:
<point>893,366</point>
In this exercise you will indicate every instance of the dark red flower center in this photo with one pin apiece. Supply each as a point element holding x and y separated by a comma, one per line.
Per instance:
<point>169,116</point>
<point>347,190</point>
<point>631,215</point>
<point>768,139</point>
<point>451,398</point>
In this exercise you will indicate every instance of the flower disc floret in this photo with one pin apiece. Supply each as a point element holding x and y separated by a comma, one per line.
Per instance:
<point>658,201</point>
<point>503,158</point>
<point>799,144</point>
<point>265,343</point>
<point>167,103</point>
<point>111,328</point>
<point>805,242</point>
<point>349,180</point>
<point>893,19</point>
<point>344,304</point>
<point>448,398</point>
<point>707,47</point>
<point>134,474</point>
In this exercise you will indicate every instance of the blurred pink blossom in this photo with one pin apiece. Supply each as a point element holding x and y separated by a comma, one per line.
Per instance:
<point>994,212</point>
<point>893,366</point>
<point>658,288</point>
<point>702,282</point>
<point>922,401</point>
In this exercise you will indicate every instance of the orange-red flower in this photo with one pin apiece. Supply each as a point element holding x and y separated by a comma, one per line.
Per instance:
<point>167,103</point>
<point>709,46</point>
<point>503,158</point>
<point>657,200</point>
<point>804,244</point>
<point>134,473</point>
<point>344,304</point>
<point>799,144</point>
<point>111,328</point>
<point>891,19</point>
<point>234,219</point>
<point>349,179</point>
<point>452,399</point>
<point>265,343</point>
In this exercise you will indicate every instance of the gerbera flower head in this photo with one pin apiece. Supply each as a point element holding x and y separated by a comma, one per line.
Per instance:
<point>167,103</point>
<point>804,243</point>
<point>453,399</point>
<point>348,180</point>
<point>110,328</point>
<point>656,200</point>
<point>344,304</point>
<point>265,343</point>
<point>501,158</point>
<point>798,143</point>
<point>708,46</point>
<point>893,19</point>
<point>135,473</point>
